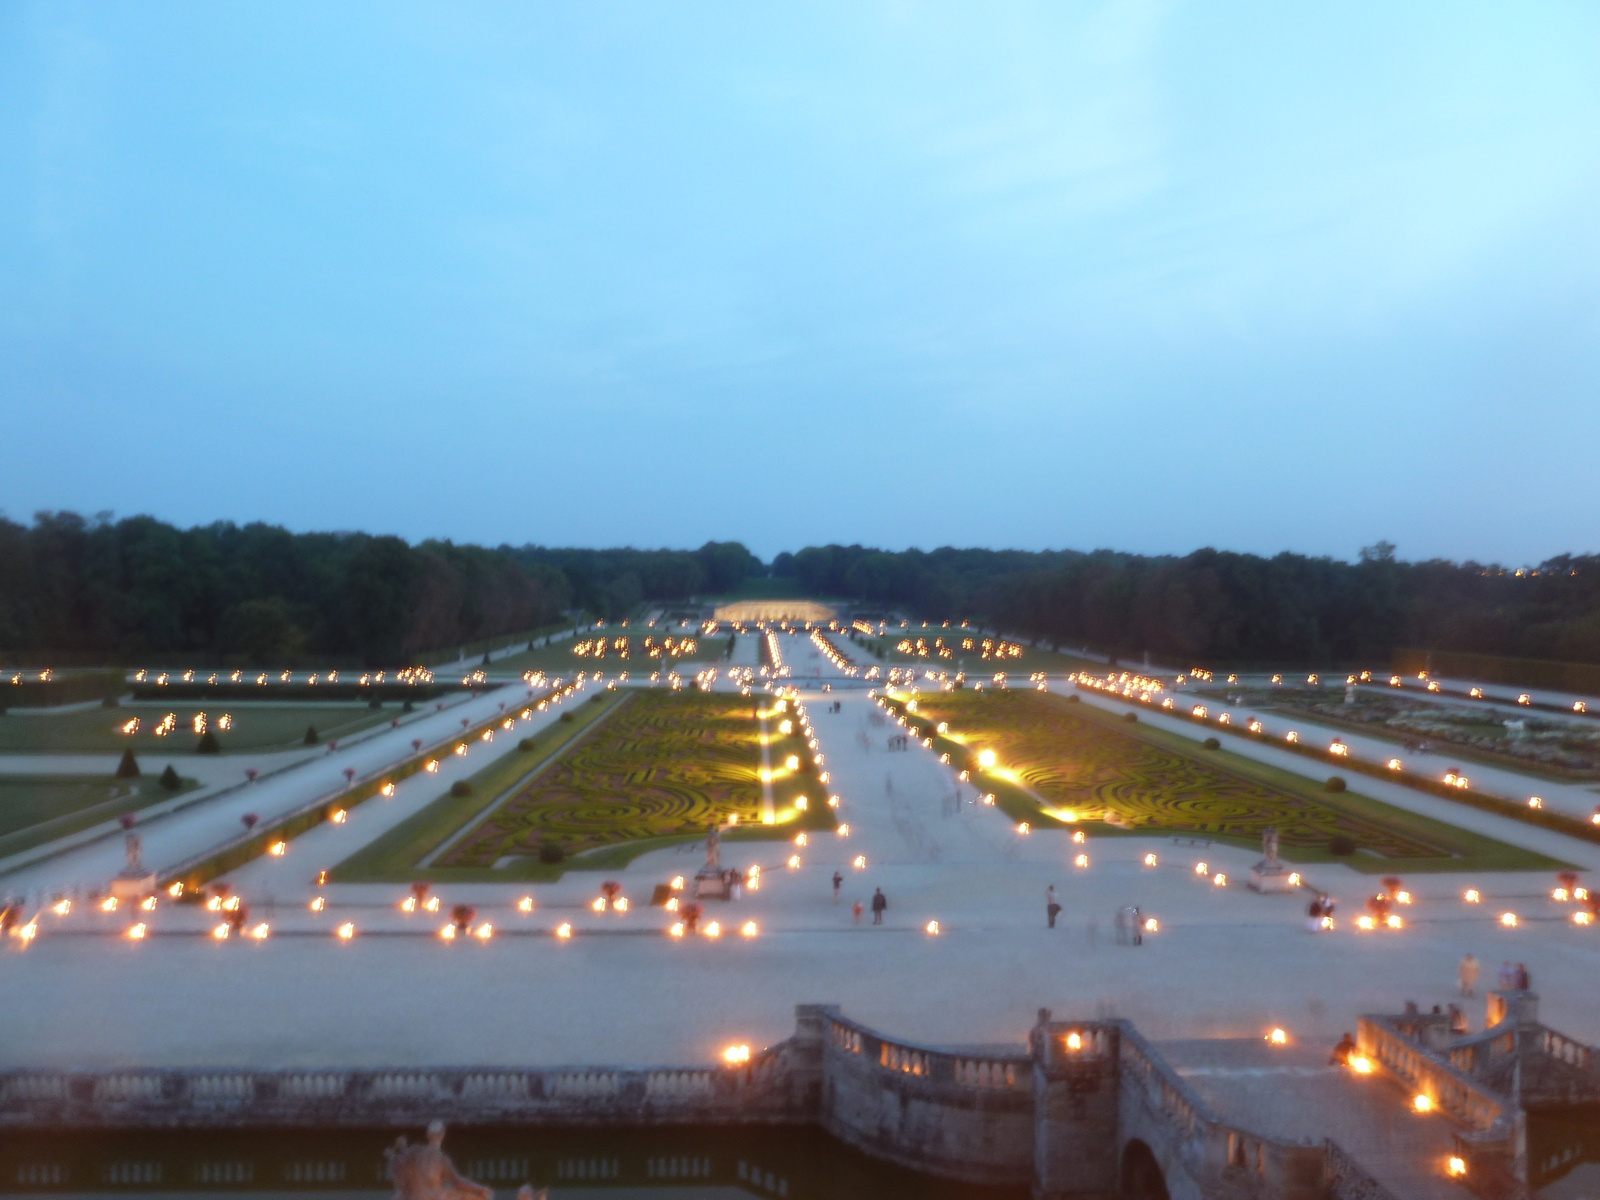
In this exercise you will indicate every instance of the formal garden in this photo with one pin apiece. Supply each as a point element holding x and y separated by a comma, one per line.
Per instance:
<point>1540,742</point>
<point>632,771</point>
<point>174,729</point>
<point>1062,763</point>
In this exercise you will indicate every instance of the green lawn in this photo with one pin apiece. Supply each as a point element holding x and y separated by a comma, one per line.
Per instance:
<point>39,809</point>
<point>1118,777</point>
<point>256,727</point>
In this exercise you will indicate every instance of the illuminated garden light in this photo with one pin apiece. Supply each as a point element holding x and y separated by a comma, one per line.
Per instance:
<point>844,830</point>
<point>346,931</point>
<point>1081,861</point>
<point>1219,880</point>
<point>278,849</point>
<point>859,861</point>
<point>1422,1103</point>
<point>1508,919</point>
<point>1150,860</point>
<point>137,932</point>
<point>1471,896</point>
<point>749,929</point>
<point>564,930</point>
<point>1278,1037</point>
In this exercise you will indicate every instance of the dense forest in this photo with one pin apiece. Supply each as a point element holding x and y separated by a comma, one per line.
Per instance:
<point>76,591</point>
<point>1218,607</point>
<point>100,591</point>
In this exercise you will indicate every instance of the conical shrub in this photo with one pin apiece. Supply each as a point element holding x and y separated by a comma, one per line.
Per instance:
<point>128,768</point>
<point>311,735</point>
<point>170,780</point>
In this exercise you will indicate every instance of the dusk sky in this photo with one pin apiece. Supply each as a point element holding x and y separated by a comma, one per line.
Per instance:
<point>1145,276</point>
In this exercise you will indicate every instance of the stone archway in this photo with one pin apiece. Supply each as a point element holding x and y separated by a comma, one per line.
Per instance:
<point>1141,1177</point>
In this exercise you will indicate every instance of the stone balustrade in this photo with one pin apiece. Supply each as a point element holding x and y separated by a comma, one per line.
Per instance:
<point>754,1091</point>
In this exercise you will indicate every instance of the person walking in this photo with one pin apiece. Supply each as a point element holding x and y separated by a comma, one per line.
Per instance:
<point>1314,914</point>
<point>856,910</point>
<point>879,903</point>
<point>838,881</point>
<point>1051,908</point>
<point>1467,975</point>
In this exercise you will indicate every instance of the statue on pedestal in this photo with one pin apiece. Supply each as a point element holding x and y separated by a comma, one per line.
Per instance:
<point>711,881</point>
<point>135,880</point>
<point>1270,875</point>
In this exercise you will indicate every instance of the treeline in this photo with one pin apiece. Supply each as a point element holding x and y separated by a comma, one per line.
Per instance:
<point>1216,607</point>
<point>614,582</point>
<point>75,591</point>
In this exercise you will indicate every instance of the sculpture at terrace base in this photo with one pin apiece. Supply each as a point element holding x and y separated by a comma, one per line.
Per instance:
<point>426,1172</point>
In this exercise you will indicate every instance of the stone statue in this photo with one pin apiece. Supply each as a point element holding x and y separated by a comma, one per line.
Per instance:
<point>1270,875</point>
<point>134,848</point>
<point>714,850</point>
<point>426,1172</point>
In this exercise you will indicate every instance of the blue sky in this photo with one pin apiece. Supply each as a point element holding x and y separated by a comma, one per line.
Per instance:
<point>1149,276</point>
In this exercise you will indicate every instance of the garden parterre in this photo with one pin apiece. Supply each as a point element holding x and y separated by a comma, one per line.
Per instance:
<point>665,763</point>
<point>1083,766</point>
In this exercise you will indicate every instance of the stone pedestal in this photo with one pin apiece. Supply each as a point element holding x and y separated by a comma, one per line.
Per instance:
<point>1269,876</point>
<point>128,886</point>
<point>710,886</point>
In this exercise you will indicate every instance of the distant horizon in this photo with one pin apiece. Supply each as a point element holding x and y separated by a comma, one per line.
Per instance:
<point>769,558</point>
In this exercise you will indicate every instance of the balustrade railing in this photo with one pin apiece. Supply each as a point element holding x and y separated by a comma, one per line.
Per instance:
<point>981,1073</point>
<point>756,1090</point>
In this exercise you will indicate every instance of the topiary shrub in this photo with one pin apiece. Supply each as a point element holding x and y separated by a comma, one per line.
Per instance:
<point>208,744</point>
<point>525,745</point>
<point>1130,717</point>
<point>374,703</point>
<point>1335,783</point>
<point>128,768</point>
<point>1342,844</point>
<point>311,738</point>
<point>596,699</point>
<point>566,716</point>
<point>1212,744</point>
<point>170,780</point>
<point>461,788</point>
<point>551,852</point>
<point>408,707</point>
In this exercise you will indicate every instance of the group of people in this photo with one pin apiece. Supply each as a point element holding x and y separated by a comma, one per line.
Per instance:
<point>880,902</point>
<point>1128,922</point>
